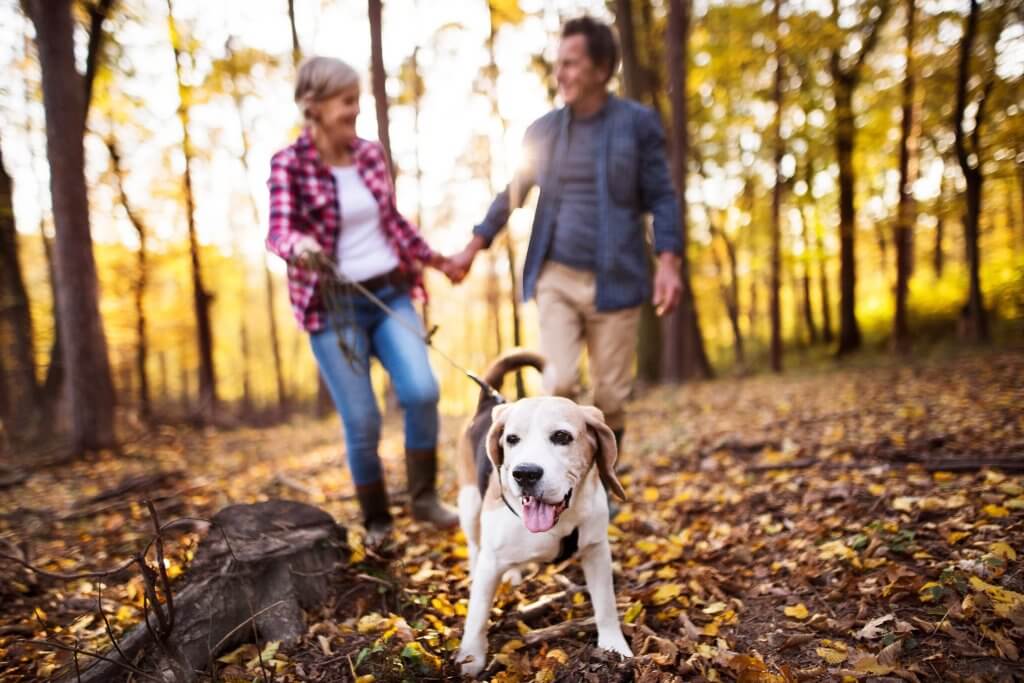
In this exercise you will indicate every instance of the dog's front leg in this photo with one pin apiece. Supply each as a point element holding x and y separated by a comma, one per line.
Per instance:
<point>597,568</point>
<point>473,650</point>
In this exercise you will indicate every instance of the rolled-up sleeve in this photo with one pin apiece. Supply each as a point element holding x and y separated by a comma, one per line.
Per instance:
<point>284,229</point>
<point>657,191</point>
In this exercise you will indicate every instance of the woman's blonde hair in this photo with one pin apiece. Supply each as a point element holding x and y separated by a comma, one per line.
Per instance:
<point>319,78</point>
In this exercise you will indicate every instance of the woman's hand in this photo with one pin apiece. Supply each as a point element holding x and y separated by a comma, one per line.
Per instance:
<point>463,261</point>
<point>448,267</point>
<point>308,253</point>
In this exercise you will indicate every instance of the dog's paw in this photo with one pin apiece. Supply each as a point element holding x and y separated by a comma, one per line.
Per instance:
<point>472,659</point>
<point>615,643</point>
<point>513,576</point>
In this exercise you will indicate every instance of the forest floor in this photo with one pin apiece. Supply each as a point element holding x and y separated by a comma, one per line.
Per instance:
<point>852,524</point>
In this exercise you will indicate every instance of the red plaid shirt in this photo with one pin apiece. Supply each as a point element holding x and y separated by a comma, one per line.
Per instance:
<point>304,201</point>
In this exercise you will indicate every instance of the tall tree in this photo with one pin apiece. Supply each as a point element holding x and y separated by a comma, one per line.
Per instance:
<point>846,64</point>
<point>776,227</point>
<point>141,276</point>
<point>378,78</point>
<point>201,298</point>
<point>90,388</point>
<point>682,351</point>
<point>907,212</point>
<point>969,155</point>
<point>16,343</point>
<point>235,65</point>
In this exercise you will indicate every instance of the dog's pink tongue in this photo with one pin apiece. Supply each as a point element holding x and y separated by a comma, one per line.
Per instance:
<point>538,515</point>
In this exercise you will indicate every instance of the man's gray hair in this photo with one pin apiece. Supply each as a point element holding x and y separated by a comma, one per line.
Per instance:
<point>321,77</point>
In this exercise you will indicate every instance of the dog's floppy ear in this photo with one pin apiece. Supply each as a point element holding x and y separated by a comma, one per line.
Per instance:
<point>495,451</point>
<point>607,451</point>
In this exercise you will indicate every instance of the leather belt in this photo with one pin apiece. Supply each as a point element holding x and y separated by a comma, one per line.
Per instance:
<point>393,278</point>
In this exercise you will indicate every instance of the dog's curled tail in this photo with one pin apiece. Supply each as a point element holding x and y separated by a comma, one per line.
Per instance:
<point>510,361</point>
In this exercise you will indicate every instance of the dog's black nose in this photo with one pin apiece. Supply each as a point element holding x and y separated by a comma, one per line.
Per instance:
<point>527,475</point>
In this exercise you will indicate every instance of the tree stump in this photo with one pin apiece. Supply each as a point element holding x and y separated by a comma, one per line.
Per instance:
<point>257,569</point>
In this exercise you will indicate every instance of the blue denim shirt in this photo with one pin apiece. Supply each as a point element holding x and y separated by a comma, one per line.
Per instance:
<point>633,178</point>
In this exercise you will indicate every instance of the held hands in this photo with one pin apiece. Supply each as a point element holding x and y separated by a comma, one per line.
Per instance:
<point>668,286</point>
<point>457,267</point>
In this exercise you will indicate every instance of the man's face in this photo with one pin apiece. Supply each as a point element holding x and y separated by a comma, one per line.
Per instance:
<point>577,76</point>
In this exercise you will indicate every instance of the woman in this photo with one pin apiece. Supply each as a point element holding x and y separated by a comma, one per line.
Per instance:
<point>331,203</point>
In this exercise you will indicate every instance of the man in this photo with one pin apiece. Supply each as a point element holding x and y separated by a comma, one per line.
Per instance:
<point>600,164</point>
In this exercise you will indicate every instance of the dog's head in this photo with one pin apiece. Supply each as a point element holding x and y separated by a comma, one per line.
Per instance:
<point>543,448</point>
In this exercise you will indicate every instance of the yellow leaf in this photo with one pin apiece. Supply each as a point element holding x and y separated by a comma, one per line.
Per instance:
<point>832,651</point>
<point>904,503</point>
<point>954,537</point>
<point>522,628</point>
<point>666,592</point>
<point>651,495</point>
<point>715,608</point>
<point>645,546</point>
<point>578,598</point>
<point>1005,603</point>
<point>943,476</point>
<point>711,629</point>
<point>1003,550</point>
<point>633,612</point>
<point>798,611</point>
<point>1016,503</point>
<point>835,549</point>
<point>995,511</point>
<point>366,678</point>
<point>512,646</point>
<point>558,655</point>
<point>372,622</point>
<point>876,489</point>
<point>930,591</point>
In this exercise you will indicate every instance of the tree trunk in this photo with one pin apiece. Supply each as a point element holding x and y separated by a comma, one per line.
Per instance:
<point>938,255</point>
<point>16,341</point>
<point>849,329</point>
<point>844,82</point>
<point>379,78</point>
<point>296,47</point>
<point>90,388</point>
<point>808,307</point>
<point>632,81</point>
<point>256,570</point>
<point>729,291</point>
<point>141,345</point>
<point>907,212</point>
<point>975,320</point>
<point>682,353</point>
<point>776,253</point>
<point>201,298</point>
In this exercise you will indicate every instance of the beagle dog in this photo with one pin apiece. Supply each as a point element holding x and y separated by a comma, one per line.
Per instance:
<point>532,479</point>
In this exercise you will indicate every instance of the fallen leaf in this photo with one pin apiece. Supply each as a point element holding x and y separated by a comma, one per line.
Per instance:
<point>798,611</point>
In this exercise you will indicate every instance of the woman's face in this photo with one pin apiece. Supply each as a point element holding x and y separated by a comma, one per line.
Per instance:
<point>337,114</point>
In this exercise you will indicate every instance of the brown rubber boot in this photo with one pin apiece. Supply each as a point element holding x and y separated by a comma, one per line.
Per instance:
<point>425,506</point>
<point>373,500</point>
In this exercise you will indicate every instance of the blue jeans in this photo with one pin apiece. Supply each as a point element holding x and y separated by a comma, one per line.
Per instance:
<point>372,332</point>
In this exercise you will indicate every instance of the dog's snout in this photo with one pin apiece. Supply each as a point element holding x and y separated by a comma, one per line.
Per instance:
<point>527,475</point>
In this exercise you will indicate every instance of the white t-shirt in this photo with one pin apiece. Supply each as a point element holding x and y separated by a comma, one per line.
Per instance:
<point>362,251</point>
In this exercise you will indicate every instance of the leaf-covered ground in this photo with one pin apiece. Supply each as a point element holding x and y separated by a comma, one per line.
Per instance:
<point>826,526</point>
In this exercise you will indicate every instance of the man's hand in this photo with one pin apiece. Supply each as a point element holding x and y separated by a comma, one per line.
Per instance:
<point>448,267</point>
<point>463,261</point>
<point>668,287</point>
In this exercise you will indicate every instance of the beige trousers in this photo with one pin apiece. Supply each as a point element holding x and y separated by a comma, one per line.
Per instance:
<point>568,319</point>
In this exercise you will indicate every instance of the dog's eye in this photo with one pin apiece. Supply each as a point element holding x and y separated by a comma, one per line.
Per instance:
<point>511,439</point>
<point>561,438</point>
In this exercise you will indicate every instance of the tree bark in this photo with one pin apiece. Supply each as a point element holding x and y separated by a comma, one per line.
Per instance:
<point>141,338</point>
<point>730,290</point>
<point>682,352</point>
<point>256,570</point>
<point>776,253</point>
<point>975,320</point>
<point>90,388</point>
<point>16,336</point>
<point>907,212</point>
<point>296,47</point>
<point>201,298</point>
<point>844,81</point>
<point>808,307</point>
<point>632,81</point>
<point>938,253</point>
<point>379,78</point>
